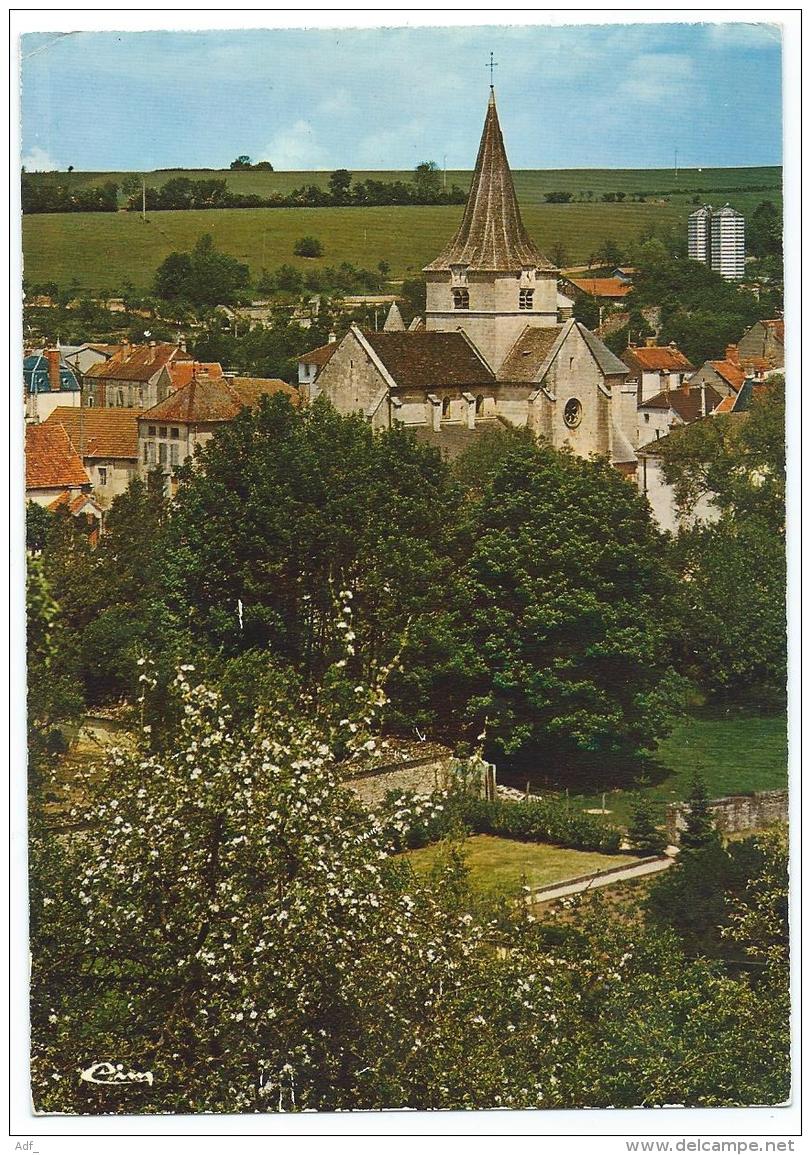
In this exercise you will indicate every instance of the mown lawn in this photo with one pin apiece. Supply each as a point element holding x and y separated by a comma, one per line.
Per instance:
<point>734,753</point>
<point>500,865</point>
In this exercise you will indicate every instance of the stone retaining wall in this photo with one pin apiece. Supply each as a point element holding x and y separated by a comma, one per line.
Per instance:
<point>423,776</point>
<point>735,813</point>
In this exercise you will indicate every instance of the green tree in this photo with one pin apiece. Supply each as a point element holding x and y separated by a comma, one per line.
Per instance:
<point>243,161</point>
<point>764,231</point>
<point>340,183</point>
<point>643,831</point>
<point>203,277</point>
<point>699,827</point>
<point>565,588</point>
<point>427,181</point>
<point>733,634</point>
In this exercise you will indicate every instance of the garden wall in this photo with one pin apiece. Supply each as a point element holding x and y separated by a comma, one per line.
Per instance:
<point>735,813</point>
<point>423,776</point>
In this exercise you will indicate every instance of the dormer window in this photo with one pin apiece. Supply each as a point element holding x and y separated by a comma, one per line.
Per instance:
<point>525,297</point>
<point>461,299</point>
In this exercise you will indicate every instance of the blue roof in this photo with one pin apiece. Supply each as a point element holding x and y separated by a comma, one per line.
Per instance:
<point>37,378</point>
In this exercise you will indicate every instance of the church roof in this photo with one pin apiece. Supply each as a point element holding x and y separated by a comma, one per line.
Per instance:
<point>528,354</point>
<point>491,236</point>
<point>425,360</point>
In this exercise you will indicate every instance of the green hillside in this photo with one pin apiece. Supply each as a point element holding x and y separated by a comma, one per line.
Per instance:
<point>104,250</point>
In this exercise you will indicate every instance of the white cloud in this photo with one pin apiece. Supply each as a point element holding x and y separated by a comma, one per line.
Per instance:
<point>295,148</point>
<point>657,77</point>
<point>38,160</point>
<point>747,36</point>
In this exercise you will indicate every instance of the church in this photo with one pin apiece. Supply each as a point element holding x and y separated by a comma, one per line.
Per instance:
<point>496,344</point>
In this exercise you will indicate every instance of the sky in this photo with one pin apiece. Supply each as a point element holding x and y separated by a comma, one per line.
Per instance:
<point>609,96</point>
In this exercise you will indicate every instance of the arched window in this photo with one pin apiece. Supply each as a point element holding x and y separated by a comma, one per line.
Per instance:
<point>446,407</point>
<point>461,299</point>
<point>479,404</point>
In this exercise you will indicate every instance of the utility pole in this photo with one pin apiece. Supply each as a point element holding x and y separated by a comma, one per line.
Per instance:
<point>143,198</point>
<point>676,162</point>
<point>444,171</point>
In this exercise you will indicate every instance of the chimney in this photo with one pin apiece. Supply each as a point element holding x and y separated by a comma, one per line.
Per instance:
<point>331,338</point>
<point>181,342</point>
<point>650,342</point>
<point>732,354</point>
<point>54,379</point>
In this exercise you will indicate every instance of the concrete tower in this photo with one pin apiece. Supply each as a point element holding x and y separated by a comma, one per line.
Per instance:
<point>728,243</point>
<point>698,234</point>
<point>491,281</point>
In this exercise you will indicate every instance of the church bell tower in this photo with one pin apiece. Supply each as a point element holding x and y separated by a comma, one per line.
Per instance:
<point>491,281</point>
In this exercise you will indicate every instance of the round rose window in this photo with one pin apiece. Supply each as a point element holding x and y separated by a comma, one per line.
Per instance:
<point>572,413</point>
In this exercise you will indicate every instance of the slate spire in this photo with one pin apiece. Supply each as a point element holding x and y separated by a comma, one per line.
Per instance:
<point>491,236</point>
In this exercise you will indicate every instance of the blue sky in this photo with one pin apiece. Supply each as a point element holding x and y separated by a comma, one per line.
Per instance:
<point>618,96</point>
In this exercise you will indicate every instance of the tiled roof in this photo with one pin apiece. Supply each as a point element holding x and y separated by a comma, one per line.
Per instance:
<point>51,462</point>
<point>423,360</point>
<point>524,360</point>
<point>727,404</point>
<point>206,399</point>
<point>181,372</point>
<point>137,362</point>
<point>319,356</point>
<point>98,432</point>
<point>492,235</point>
<point>601,286</point>
<point>653,358</point>
<point>76,503</point>
<point>251,390</point>
<point>686,402</point>
<point>733,374</point>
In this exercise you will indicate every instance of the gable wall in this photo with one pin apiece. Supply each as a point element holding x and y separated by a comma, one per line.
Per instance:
<point>352,383</point>
<point>575,374</point>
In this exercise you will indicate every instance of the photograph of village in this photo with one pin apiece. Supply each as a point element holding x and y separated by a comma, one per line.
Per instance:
<point>405,559</point>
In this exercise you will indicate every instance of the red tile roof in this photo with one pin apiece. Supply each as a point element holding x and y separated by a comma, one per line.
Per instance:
<point>727,404</point>
<point>137,362</point>
<point>76,503</point>
<point>99,432</point>
<point>182,372</point>
<point>733,374</point>
<point>319,356</point>
<point>778,325</point>
<point>51,462</point>
<point>601,286</point>
<point>656,358</point>
<point>211,399</point>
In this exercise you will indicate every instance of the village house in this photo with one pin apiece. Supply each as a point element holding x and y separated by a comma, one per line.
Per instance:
<point>605,290</point>
<point>48,382</point>
<point>55,476</point>
<point>494,347</point>
<point>655,368</point>
<point>764,342</point>
<point>136,377</point>
<point>310,365</point>
<point>170,431</point>
<point>728,374</point>
<point>673,407</point>
<point>84,357</point>
<point>106,440</point>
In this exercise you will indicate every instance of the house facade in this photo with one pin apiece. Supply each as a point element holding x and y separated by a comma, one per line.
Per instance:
<point>673,407</point>
<point>137,377</point>
<point>106,440</point>
<point>655,368</point>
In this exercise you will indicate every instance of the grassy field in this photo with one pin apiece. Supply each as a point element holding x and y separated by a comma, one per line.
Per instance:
<point>104,250</point>
<point>734,753</point>
<point>500,865</point>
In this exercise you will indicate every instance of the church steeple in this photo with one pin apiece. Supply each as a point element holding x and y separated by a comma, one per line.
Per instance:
<point>491,236</point>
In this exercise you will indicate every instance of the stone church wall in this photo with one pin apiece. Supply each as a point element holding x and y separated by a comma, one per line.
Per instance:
<point>352,383</point>
<point>574,374</point>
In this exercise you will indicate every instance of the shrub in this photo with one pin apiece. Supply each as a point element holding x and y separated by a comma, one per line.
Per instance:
<point>308,247</point>
<point>411,820</point>
<point>643,833</point>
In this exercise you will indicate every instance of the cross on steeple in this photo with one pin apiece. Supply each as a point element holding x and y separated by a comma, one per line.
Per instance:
<point>493,64</point>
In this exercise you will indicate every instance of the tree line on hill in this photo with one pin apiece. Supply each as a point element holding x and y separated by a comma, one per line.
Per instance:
<point>180,193</point>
